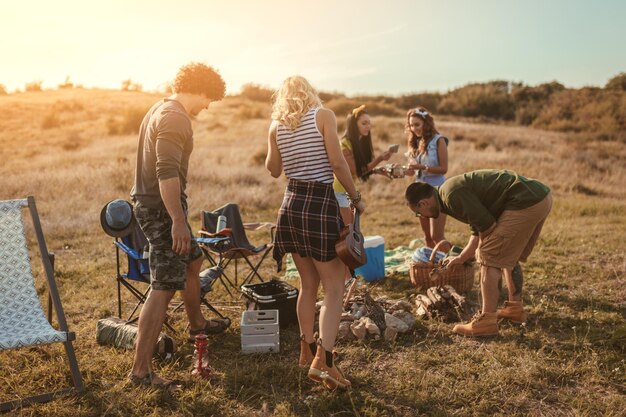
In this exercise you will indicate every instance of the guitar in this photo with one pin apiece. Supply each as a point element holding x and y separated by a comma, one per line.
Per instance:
<point>350,245</point>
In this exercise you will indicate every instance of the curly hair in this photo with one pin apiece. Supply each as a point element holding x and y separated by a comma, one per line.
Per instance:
<point>294,98</point>
<point>417,145</point>
<point>196,78</point>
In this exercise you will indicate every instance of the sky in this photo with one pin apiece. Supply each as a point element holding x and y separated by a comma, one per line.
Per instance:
<point>355,47</point>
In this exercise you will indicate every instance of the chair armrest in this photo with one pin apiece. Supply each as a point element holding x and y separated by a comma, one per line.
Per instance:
<point>222,233</point>
<point>212,240</point>
<point>129,251</point>
<point>262,225</point>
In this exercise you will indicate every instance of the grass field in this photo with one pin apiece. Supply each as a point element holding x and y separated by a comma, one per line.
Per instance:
<point>569,360</point>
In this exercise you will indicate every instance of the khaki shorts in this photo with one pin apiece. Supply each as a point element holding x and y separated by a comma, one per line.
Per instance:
<point>168,270</point>
<point>514,236</point>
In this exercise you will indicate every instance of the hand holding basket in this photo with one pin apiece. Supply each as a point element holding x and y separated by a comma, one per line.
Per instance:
<point>428,274</point>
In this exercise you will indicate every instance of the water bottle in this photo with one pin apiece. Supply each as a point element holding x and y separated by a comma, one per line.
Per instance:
<point>221,223</point>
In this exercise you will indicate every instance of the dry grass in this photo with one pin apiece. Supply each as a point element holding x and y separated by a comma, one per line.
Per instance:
<point>568,361</point>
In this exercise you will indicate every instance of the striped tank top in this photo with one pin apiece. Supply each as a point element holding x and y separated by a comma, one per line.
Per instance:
<point>303,152</point>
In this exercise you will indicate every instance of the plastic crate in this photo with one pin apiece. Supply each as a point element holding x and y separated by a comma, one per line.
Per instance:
<point>273,295</point>
<point>260,331</point>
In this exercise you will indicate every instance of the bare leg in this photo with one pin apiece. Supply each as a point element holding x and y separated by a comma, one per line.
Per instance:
<point>305,307</point>
<point>428,239</point>
<point>191,295</point>
<point>489,277</point>
<point>151,320</point>
<point>510,286</point>
<point>437,227</point>
<point>517,278</point>
<point>330,315</point>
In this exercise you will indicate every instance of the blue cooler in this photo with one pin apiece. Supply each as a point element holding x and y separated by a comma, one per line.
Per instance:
<point>374,269</point>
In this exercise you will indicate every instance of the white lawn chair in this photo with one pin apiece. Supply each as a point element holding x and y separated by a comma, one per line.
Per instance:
<point>22,320</point>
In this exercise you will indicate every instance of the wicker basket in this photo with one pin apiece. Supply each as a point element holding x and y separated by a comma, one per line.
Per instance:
<point>428,274</point>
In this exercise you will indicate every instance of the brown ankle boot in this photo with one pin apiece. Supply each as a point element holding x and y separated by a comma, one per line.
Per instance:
<point>513,311</point>
<point>319,372</point>
<point>482,324</point>
<point>306,356</point>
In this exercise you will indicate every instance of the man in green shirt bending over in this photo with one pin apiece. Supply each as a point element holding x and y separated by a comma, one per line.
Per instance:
<point>505,212</point>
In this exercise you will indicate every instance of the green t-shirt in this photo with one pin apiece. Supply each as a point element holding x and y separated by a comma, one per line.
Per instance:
<point>345,145</point>
<point>479,197</point>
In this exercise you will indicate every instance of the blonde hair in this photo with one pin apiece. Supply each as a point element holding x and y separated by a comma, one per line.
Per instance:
<point>294,98</point>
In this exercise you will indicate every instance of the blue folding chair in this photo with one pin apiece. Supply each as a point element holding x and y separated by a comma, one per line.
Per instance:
<point>130,241</point>
<point>135,247</point>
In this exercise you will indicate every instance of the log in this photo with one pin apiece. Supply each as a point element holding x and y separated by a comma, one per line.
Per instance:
<point>422,311</point>
<point>424,300</point>
<point>348,296</point>
<point>375,312</point>
<point>458,298</point>
<point>423,303</point>
<point>434,297</point>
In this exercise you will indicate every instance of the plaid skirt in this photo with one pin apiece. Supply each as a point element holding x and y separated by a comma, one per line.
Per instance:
<point>308,222</point>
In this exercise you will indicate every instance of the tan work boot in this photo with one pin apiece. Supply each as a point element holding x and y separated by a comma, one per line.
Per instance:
<point>306,356</point>
<point>319,372</point>
<point>482,324</point>
<point>513,311</point>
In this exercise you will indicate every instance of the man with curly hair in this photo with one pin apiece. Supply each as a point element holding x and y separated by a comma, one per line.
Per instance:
<point>160,207</point>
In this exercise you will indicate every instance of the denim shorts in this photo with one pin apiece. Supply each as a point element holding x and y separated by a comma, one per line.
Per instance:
<point>342,199</point>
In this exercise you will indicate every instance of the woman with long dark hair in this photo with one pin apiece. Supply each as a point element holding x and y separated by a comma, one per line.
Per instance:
<point>356,146</point>
<point>428,161</point>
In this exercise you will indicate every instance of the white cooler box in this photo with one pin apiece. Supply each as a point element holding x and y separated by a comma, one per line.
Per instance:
<point>260,331</point>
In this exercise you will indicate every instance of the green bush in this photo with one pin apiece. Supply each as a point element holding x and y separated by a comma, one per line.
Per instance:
<point>585,110</point>
<point>492,100</point>
<point>409,101</point>
<point>343,106</point>
<point>617,83</point>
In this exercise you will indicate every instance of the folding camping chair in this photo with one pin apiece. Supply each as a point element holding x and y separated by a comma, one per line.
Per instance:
<point>237,247</point>
<point>22,320</point>
<point>137,274</point>
<point>132,242</point>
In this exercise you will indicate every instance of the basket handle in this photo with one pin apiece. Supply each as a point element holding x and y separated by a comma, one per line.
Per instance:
<point>432,255</point>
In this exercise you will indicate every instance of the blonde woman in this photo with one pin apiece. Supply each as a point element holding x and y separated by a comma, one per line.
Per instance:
<point>303,142</point>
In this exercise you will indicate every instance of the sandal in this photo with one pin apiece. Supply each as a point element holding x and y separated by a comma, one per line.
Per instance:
<point>212,326</point>
<point>149,382</point>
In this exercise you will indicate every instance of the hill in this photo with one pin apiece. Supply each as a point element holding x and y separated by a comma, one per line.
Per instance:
<point>74,150</point>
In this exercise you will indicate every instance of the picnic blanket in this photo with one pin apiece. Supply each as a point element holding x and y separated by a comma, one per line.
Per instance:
<point>396,261</point>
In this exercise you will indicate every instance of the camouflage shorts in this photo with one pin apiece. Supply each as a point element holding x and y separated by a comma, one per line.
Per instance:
<point>168,270</point>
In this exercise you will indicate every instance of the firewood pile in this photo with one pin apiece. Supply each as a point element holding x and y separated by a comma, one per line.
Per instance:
<point>367,318</point>
<point>444,303</point>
